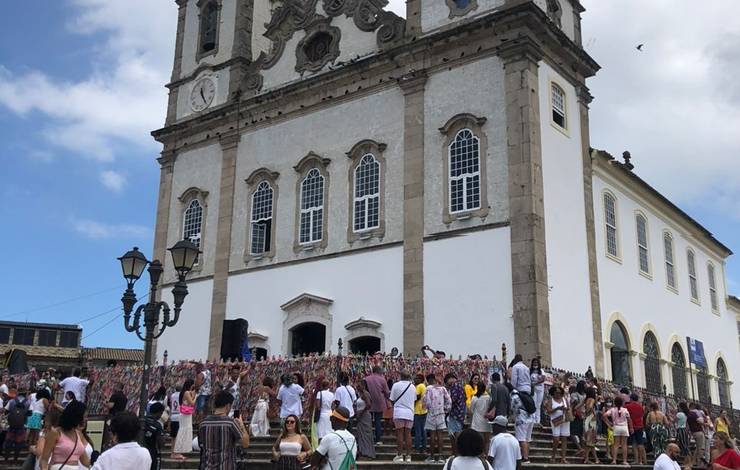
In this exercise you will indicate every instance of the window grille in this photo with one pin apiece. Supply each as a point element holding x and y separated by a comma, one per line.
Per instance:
<point>678,371</point>
<point>693,285</point>
<point>261,219</point>
<point>610,216</point>
<point>464,177</point>
<point>642,244</point>
<point>367,194</point>
<point>653,380</point>
<point>724,388</point>
<point>558,106</point>
<point>620,355</point>
<point>670,269</point>
<point>312,207</point>
<point>702,382</point>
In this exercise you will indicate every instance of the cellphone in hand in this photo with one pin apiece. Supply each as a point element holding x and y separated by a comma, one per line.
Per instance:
<point>237,414</point>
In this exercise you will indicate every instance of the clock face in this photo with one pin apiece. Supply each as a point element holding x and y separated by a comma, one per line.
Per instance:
<point>202,95</point>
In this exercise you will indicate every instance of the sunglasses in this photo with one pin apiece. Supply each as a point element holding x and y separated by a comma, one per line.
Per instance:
<point>289,421</point>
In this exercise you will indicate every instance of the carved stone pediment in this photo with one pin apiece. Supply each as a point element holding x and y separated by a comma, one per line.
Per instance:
<point>363,323</point>
<point>303,299</point>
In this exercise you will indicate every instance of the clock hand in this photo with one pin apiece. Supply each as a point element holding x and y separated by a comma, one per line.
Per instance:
<point>202,95</point>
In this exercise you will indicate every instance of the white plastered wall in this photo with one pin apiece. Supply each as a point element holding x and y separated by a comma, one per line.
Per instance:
<point>642,300</point>
<point>447,94</point>
<point>368,285</point>
<point>467,293</point>
<point>436,14</point>
<point>188,340</point>
<point>192,30</point>
<point>565,230</point>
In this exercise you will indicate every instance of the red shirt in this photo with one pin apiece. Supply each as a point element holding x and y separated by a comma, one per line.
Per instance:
<point>729,459</point>
<point>636,413</point>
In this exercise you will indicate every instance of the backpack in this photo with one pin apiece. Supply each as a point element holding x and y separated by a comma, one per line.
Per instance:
<point>527,402</point>
<point>17,417</point>
<point>348,462</point>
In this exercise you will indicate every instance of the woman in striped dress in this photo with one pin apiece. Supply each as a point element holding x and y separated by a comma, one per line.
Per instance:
<point>682,432</point>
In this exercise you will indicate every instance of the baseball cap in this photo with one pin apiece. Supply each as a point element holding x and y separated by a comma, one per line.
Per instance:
<point>500,421</point>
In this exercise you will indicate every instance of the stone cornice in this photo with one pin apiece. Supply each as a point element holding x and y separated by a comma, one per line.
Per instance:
<point>521,29</point>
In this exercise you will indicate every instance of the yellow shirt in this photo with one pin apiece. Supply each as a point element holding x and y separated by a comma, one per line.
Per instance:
<point>721,426</point>
<point>418,405</point>
<point>469,393</point>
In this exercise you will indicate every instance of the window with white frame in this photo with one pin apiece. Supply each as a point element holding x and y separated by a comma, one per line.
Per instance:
<point>693,283</point>
<point>558,106</point>
<point>642,243</point>
<point>712,287</point>
<point>193,222</point>
<point>261,219</point>
<point>312,207</point>
<point>610,220</point>
<point>367,194</point>
<point>464,177</point>
<point>670,268</point>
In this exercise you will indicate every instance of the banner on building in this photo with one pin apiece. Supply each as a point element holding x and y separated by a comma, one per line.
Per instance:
<point>696,352</point>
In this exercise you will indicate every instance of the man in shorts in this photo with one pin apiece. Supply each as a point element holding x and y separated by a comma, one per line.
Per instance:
<point>403,396</point>
<point>438,403</point>
<point>523,424</point>
<point>456,418</point>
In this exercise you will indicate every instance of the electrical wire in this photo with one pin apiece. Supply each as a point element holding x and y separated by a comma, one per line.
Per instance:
<point>79,322</point>
<point>56,304</point>
<point>115,317</point>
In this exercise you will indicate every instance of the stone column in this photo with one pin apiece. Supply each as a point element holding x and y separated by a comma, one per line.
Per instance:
<point>526,201</point>
<point>177,67</point>
<point>584,98</point>
<point>413,18</point>
<point>241,52</point>
<point>413,213</point>
<point>229,146</point>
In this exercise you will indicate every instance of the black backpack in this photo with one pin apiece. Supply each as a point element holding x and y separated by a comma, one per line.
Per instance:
<point>527,402</point>
<point>17,417</point>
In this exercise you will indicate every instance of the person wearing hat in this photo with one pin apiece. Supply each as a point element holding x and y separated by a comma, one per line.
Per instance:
<point>335,446</point>
<point>504,453</point>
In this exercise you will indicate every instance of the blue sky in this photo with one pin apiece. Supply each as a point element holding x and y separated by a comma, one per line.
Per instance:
<point>82,85</point>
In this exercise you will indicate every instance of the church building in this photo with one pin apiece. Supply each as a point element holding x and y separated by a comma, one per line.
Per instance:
<point>429,180</point>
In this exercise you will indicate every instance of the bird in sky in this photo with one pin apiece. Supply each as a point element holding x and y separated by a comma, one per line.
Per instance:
<point>639,47</point>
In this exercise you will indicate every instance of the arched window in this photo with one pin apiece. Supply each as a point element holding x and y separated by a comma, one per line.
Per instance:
<point>367,194</point>
<point>702,383</point>
<point>610,220</point>
<point>653,380</point>
<point>693,283</point>
<point>261,219</point>
<point>724,389</point>
<point>559,106</point>
<point>678,371</point>
<point>193,222</point>
<point>209,27</point>
<point>642,243</point>
<point>670,268</point>
<point>712,287</point>
<point>620,355</point>
<point>312,207</point>
<point>464,177</point>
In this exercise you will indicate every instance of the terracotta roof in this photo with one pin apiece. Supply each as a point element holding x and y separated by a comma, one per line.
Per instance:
<point>623,170</point>
<point>117,354</point>
<point>43,351</point>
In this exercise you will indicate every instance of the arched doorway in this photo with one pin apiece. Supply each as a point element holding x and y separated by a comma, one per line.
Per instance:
<point>678,371</point>
<point>364,345</point>
<point>620,355</point>
<point>724,389</point>
<point>308,338</point>
<point>653,379</point>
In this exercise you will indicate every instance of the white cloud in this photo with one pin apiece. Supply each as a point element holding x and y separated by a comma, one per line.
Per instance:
<point>123,99</point>
<point>112,180</point>
<point>102,231</point>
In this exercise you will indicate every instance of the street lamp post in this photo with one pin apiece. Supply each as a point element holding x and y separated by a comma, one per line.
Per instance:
<point>184,254</point>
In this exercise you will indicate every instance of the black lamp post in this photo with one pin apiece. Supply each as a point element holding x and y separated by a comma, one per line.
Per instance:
<point>184,255</point>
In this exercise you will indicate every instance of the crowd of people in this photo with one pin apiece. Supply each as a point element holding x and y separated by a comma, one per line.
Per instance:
<point>345,419</point>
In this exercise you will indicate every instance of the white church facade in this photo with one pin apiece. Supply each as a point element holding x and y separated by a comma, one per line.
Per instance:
<point>350,174</point>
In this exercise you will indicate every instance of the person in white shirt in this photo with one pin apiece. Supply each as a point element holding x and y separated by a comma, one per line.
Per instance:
<point>520,375</point>
<point>74,384</point>
<point>174,413</point>
<point>289,395</point>
<point>470,447</point>
<point>667,460</point>
<point>504,452</point>
<point>403,397</point>
<point>335,446</point>
<point>127,454</point>
<point>346,396</point>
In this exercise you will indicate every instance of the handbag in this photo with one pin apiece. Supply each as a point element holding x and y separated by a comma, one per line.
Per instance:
<point>557,421</point>
<point>187,409</point>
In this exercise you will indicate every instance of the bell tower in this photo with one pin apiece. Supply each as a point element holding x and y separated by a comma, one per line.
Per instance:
<point>212,50</point>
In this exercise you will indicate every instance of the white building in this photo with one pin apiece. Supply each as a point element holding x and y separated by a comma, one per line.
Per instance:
<point>353,175</point>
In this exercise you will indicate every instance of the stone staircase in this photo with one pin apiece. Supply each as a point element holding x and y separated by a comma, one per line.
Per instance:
<point>259,454</point>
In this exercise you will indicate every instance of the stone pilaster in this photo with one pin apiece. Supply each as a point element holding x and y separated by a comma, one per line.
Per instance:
<point>584,98</point>
<point>413,18</point>
<point>242,43</point>
<point>177,66</point>
<point>229,146</point>
<point>413,213</point>
<point>526,201</point>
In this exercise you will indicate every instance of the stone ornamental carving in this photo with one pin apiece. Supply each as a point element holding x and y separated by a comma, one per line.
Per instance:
<point>461,7</point>
<point>319,47</point>
<point>300,15</point>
